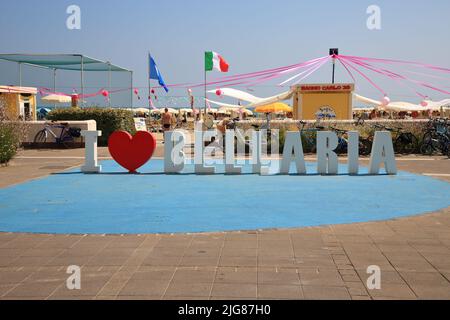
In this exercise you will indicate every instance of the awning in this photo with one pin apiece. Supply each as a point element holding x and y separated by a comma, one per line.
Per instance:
<point>74,62</point>
<point>56,98</point>
<point>14,89</point>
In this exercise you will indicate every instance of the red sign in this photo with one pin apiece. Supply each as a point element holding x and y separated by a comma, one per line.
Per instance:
<point>326,87</point>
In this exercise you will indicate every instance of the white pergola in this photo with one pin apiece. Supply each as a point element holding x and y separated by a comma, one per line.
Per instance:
<point>71,62</point>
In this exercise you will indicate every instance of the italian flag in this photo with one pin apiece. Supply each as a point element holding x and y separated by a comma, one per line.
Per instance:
<point>214,61</point>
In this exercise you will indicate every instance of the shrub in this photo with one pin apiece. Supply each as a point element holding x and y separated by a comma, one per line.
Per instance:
<point>11,136</point>
<point>108,119</point>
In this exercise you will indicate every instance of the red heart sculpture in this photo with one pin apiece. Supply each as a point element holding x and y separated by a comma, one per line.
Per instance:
<point>131,152</point>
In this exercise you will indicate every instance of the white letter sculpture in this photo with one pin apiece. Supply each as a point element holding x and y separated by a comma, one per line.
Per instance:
<point>230,168</point>
<point>293,144</point>
<point>91,158</point>
<point>382,152</point>
<point>173,154</point>
<point>353,152</point>
<point>327,160</point>
<point>199,152</point>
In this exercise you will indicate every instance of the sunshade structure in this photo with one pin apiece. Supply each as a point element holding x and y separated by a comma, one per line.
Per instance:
<point>56,98</point>
<point>274,108</point>
<point>70,62</point>
<point>141,110</point>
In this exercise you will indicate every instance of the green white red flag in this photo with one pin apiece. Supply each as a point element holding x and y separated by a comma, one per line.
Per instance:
<point>214,61</point>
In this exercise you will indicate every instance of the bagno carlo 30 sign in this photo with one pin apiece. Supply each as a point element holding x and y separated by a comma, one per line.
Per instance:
<point>132,152</point>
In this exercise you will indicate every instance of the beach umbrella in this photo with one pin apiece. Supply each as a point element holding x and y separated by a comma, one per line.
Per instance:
<point>44,111</point>
<point>274,108</point>
<point>221,111</point>
<point>247,112</point>
<point>57,98</point>
<point>141,110</point>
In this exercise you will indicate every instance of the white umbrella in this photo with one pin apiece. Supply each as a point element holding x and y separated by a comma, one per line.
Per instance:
<point>141,110</point>
<point>57,98</point>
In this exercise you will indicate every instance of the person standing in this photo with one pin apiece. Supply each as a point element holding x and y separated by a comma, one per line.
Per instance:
<point>166,120</point>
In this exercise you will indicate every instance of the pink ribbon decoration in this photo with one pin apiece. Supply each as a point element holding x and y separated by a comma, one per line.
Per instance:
<point>388,73</point>
<point>397,76</point>
<point>424,65</point>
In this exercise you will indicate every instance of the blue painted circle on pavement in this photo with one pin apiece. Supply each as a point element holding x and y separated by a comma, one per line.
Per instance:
<point>115,202</point>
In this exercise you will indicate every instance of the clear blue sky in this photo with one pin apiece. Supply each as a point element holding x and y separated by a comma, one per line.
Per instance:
<point>251,35</point>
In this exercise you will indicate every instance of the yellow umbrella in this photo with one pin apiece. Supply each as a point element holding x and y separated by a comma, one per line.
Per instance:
<point>274,108</point>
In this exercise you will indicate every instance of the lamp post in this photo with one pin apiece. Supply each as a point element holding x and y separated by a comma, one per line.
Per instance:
<point>333,53</point>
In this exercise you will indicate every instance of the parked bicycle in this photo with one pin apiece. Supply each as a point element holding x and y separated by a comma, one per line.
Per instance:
<point>365,143</point>
<point>436,138</point>
<point>308,135</point>
<point>65,137</point>
<point>404,141</point>
<point>342,146</point>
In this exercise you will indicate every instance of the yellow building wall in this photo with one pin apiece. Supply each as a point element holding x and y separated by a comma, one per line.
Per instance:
<point>311,103</point>
<point>336,99</point>
<point>11,103</point>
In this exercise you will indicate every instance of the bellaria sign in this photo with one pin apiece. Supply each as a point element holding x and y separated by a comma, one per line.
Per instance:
<point>132,152</point>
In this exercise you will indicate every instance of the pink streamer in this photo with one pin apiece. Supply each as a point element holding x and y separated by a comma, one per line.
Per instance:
<point>398,76</point>
<point>390,74</point>
<point>278,74</point>
<point>424,65</point>
<point>311,72</point>
<point>269,73</point>
<point>346,68</point>
<point>368,79</point>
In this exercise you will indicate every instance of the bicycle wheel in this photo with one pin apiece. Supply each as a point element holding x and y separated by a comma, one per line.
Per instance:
<point>426,149</point>
<point>66,139</point>
<point>444,145</point>
<point>406,143</point>
<point>41,136</point>
<point>365,147</point>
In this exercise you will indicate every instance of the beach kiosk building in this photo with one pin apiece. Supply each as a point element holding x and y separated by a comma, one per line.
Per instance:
<point>323,101</point>
<point>18,102</point>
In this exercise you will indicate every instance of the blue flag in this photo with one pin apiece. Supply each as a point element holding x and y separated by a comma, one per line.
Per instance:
<point>155,74</point>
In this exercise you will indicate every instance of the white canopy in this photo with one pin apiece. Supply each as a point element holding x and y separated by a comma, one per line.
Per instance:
<point>56,98</point>
<point>237,94</point>
<point>404,106</point>
<point>257,101</point>
<point>141,110</point>
<point>254,101</point>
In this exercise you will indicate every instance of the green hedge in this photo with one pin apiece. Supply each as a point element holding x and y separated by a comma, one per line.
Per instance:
<point>108,119</point>
<point>9,142</point>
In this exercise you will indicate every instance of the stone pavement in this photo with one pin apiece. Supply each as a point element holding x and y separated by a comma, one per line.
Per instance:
<point>328,262</point>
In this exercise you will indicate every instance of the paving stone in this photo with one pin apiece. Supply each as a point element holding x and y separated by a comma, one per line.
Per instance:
<point>325,293</point>
<point>279,291</point>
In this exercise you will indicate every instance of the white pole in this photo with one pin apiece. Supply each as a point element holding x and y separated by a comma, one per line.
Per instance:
<point>109,83</point>
<point>54,84</point>
<point>20,74</point>
<point>82,81</point>
<point>131,90</point>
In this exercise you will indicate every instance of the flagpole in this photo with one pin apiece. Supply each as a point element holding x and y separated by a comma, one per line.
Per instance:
<point>205,82</point>
<point>149,81</point>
